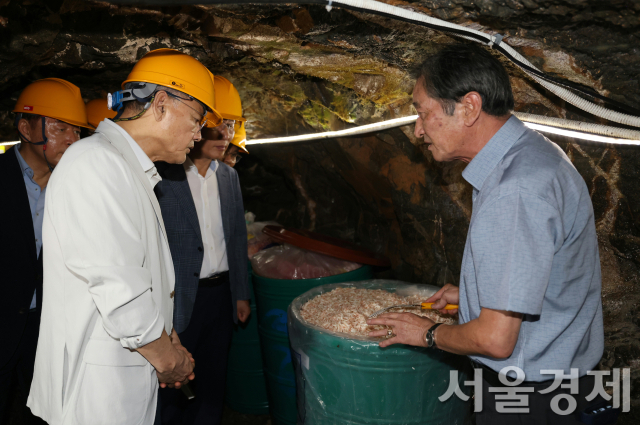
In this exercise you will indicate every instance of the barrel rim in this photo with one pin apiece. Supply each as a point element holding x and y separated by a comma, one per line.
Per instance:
<point>397,286</point>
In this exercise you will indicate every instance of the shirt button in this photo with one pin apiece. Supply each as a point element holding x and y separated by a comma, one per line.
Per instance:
<point>172,294</point>
<point>207,226</point>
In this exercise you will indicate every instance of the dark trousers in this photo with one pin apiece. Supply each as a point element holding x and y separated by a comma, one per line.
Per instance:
<point>207,337</point>
<point>16,375</point>
<point>540,412</point>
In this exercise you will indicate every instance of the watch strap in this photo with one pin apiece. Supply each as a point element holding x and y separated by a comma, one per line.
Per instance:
<point>430,336</point>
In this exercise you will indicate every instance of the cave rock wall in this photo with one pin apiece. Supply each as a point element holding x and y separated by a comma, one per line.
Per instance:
<point>303,69</point>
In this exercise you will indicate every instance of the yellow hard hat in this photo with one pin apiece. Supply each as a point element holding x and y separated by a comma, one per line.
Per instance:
<point>54,98</point>
<point>240,138</point>
<point>214,118</point>
<point>174,69</point>
<point>97,111</point>
<point>228,101</point>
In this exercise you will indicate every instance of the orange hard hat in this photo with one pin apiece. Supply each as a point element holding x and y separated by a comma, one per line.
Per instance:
<point>98,111</point>
<point>240,138</point>
<point>214,118</point>
<point>228,100</point>
<point>53,98</point>
<point>176,70</point>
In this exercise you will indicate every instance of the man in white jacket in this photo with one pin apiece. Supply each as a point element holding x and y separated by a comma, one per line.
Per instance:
<point>106,338</point>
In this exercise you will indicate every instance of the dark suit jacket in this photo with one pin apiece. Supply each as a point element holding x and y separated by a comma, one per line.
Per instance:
<point>185,239</point>
<point>20,267</point>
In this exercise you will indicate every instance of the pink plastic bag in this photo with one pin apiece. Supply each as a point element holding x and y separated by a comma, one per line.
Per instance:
<point>289,262</point>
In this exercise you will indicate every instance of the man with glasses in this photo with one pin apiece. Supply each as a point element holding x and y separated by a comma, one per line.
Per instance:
<point>204,215</point>
<point>107,339</point>
<point>238,144</point>
<point>49,114</point>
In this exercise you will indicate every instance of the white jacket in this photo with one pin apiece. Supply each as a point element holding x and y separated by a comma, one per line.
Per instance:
<point>108,286</point>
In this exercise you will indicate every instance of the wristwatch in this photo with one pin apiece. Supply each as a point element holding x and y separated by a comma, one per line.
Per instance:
<point>431,341</point>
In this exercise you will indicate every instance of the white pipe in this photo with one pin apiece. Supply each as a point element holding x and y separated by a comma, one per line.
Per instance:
<point>363,129</point>
<point>561,92</point>
<point>605,130</point>
<point>604,134</point>
<point>580,135</point>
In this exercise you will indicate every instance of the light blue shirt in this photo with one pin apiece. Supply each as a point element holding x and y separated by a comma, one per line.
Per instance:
<point>532,248</point>
<point>36,203</point>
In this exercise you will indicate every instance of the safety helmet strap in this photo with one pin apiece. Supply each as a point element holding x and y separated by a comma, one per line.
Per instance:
<point>138,91</point>
<point>44,138</point>
<point>23,137</point>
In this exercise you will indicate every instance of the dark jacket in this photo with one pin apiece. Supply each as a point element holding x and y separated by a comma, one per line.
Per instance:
<point>20,267</point>
<point>185,239</point>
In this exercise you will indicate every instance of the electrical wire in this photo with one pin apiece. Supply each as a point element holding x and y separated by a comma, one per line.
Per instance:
<point>560,88</point>
<point>546,81</point>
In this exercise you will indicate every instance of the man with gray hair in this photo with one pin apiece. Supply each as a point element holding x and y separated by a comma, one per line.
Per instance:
<point>106,338</point>
<point>529,295</point>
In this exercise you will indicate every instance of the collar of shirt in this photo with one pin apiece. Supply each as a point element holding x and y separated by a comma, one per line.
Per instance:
<point>26,170</point>
<point>190,167</point>
<point>492,153</point>
<point>147,165</point>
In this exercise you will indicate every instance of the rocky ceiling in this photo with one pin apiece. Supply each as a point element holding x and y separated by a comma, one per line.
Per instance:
<point>300,69</point>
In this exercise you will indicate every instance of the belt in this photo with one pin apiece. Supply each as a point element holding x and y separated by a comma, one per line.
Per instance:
<point>214,280</point>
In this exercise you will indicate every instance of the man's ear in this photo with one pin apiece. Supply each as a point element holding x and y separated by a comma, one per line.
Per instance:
<point>472,104</point>
<point>159,105</point>
<point>24,127</point>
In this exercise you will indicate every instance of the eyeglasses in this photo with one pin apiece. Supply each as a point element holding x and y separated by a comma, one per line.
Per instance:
<point>235,158</point>
<point>229,123</point>
<point>203,117</point>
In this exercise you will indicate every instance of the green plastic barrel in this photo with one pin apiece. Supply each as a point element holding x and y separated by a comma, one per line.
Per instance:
<point>344,379</point>
<point>273,298</point>
<point>246,386</point>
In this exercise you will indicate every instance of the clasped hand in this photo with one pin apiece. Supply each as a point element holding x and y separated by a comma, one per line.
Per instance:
<point>183,363</point>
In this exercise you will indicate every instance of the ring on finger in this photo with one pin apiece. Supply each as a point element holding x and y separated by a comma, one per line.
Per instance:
<point>389,332</point>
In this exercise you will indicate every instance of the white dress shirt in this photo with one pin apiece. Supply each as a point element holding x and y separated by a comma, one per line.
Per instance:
<point>146,163</point>
<point>206,197</point>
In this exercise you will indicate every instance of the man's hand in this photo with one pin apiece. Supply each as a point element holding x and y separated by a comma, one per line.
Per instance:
<point>179,373</point>
<point>174,365</point>
<point>448,294</point>
<point>407,328</point>
<point>244,310</point>
<point>175,340</point>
